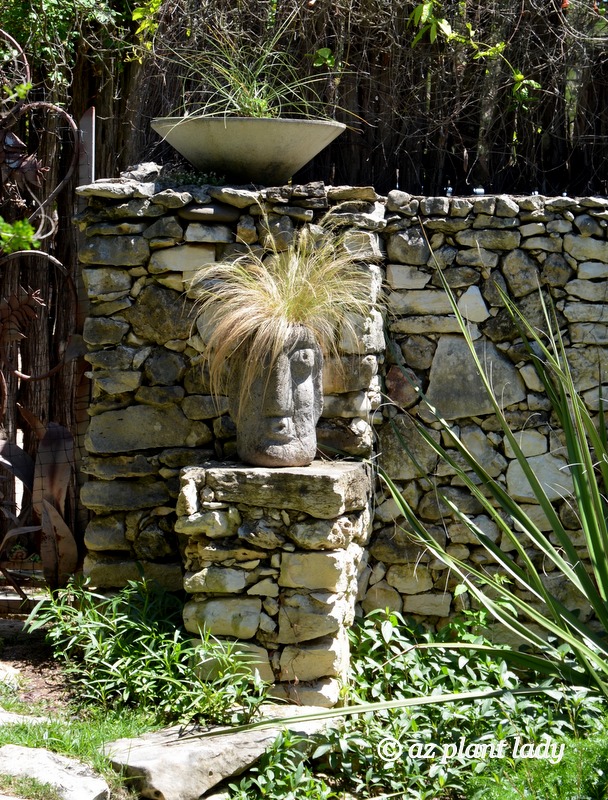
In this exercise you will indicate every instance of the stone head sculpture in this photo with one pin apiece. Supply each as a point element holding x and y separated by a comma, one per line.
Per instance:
<point>276,415</point>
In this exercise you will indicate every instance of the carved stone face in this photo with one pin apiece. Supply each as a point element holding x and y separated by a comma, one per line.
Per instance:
<point>277,418</point>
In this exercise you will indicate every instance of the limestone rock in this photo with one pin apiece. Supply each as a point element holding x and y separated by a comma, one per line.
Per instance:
<point>215,580</point>
<point>331,570</point>
<point>226,616</point>
<point>323,490</point>
<point>177,765</point>
<point>472,306</point>
<point>106,533</point>
<point>103,331</point>
<point>216,524</point>
<point>324,693</point>
<point>303,617</point>
<point>142,427</point>
<point>408,247</point>
<point>413,303</point>
<point>120,251</point>
<point>431,604</point>
<point>455,388</point>
<point>401,276</point>
<point>106,283</point>
<point>186,258</point>
<point>72,779</point>
<point>381,595</point>
<point>327,657</point>
<point>583,248</point>
<point>212,234</point>
<point>160,315</point>
<point>409,578</point>
<point>489,239</point>
<point>551,471</point>
<point>393,456</point>
<point>325,534</point>
<point>118,495</point>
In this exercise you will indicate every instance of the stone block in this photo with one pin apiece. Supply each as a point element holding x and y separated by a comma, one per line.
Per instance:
<point>143,427</point>
<point>106,284</point>
<point>324,693</point>
<point>213,234</point>
<point>323,490</point>
<point>401,276</point>
<point>104,497</point>
<point>408,247</point>
<point>413,303</point>
<point>106,572</point>
<point>226,616</point>
<point>215,580</point>
<point>455,388</point>
<point>326,534</point>
<point>119,251</point>
<point>100,331</point>
<point>106,533</point>
<point>382,596</point>
<point>215,523</point>
<point>395,458</point>
<point>332,570</point>
<point>489,239</point>
<point>363,335</point>
<point>186,258</point>
<point>251,658</point>
<point>328,657</point>
<point>348,374</point>
<point>430,605</point>
<point>584,248</point>
<point>552,472</point>
<point>409,578</point>
<point>71,779</point>
<point>303,617</point>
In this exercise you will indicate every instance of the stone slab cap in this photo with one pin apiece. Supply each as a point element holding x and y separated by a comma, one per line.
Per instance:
<point>324,489</point>
<point>169,765</point>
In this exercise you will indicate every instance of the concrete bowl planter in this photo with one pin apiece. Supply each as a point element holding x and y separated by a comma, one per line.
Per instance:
<point>267,151</point>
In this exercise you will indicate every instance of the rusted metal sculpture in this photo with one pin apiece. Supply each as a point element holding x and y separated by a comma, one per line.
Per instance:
<point>45,477</point>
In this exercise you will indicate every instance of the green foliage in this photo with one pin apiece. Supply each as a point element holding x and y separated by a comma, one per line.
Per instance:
<point>29,788</point>
<point>378,753</point>
<point>283,772</point>
<point>130,650</point>
<point>51,29</point>
<point>241,73</point>
<point>502,593</point>
<point>147,17</point>
<point>427,18</point>
<point>81,737</point>
<point>581,775</point>
<point>19,235</point>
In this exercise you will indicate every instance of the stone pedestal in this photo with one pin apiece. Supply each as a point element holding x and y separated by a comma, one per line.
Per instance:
<point>273,558</point>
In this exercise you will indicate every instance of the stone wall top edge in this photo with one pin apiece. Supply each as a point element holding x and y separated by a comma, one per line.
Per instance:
<point>329,187</point>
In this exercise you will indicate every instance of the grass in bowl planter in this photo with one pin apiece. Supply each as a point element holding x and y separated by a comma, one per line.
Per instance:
<point>250,114</point>
<point>267,320</point>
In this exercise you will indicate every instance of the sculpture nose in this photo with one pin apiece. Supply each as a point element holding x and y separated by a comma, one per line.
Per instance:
<point>281,427</point>
<point>278,401</point>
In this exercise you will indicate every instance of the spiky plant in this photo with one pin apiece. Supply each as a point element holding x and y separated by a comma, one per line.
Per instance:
<point>252,305</point>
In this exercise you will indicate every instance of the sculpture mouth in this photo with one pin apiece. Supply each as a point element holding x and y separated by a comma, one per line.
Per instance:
<point>278,439</point>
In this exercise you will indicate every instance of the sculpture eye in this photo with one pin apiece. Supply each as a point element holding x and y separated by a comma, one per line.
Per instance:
<point>302,362</point>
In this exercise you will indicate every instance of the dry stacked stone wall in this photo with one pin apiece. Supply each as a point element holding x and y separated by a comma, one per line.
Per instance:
<point>158,441</point>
